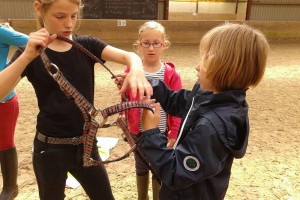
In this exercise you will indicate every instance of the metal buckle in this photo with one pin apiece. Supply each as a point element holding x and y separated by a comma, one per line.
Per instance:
<point>76,140</point>
<point>49,65</point>
<point>99,118</point>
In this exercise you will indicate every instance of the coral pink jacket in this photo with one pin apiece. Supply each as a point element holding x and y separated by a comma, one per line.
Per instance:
<point>172,80</point>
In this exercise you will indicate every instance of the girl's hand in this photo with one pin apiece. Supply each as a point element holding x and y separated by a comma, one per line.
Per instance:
<point>136,81</point>
<point>120,79</point>
<point>171,142</point>
<point>38,39</point>
<point>151,120</point>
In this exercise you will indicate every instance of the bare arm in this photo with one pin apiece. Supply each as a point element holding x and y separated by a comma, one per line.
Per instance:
<point>135,80</point>
<point>11,75</point>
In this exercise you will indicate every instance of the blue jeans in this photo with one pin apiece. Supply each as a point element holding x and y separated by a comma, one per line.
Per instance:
<point>52,162</point>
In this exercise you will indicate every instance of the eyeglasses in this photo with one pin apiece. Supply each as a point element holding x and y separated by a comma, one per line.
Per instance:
<point>148,44</point>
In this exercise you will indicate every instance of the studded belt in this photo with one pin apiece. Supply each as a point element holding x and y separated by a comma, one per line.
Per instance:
<point>53,140</point>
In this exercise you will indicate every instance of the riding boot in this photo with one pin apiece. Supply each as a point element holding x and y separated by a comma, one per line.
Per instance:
<point>155,188</point>
<point>9,168</point>
<point>142,183</point>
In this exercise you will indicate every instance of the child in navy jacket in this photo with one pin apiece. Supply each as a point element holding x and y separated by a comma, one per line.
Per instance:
<point>215,126</point>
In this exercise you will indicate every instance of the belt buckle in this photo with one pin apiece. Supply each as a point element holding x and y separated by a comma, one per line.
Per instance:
<point>74,141</point>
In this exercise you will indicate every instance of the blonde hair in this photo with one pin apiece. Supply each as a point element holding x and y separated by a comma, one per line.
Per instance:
<point>46,4</point>
<point>234,56</point>
<point>152,25</point>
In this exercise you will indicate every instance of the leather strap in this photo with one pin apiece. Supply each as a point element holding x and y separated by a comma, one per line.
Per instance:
<point>52,140</point>
<point>88,110</point>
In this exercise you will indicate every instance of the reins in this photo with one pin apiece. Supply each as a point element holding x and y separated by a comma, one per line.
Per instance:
<point>88,110</point>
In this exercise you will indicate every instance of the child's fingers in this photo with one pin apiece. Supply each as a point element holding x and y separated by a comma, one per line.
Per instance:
<point>150,102</point>
<point>138,85</point>
<point>151,120</point>
<point>126,86</point>
<point>171,143</point>
<point>120,77</point>
<point>52,38</point>
<point>147,90</point>
<point>157,110</point>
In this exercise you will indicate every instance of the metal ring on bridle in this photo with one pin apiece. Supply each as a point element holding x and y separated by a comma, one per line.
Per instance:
<point>54,67</point>
<point>103,119</point>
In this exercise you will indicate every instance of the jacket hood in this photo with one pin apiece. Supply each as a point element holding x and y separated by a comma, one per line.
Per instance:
<point>231,108</point>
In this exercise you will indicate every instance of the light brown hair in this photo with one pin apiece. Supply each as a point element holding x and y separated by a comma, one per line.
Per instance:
<point>234,56</point>
<point>46,4</point>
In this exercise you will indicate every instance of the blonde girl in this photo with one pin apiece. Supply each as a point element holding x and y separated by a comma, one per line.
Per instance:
<point>152,41</point>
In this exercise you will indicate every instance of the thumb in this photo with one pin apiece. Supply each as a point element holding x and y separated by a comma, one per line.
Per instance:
<point>123,88</point>
<point>52,38</point>
<point>157,109</point>
<point>151,120</point>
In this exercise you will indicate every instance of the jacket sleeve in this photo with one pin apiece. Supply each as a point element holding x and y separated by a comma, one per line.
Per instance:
<point>199,156</point>
<point>173,102</point>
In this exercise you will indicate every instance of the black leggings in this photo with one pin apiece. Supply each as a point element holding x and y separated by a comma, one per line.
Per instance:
<point>51,163</point>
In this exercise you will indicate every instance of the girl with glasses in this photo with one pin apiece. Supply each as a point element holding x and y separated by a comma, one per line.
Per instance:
<point>152,41</point>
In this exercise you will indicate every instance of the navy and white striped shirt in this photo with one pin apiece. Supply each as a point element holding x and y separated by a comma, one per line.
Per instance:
<point>163,115</point>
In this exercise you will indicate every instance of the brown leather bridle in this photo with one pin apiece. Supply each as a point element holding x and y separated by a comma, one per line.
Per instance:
<point>88,110</point>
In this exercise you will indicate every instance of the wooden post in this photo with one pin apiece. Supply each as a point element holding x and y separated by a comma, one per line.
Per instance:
<point>248,10</point>
<point>236,6</point>
<point>166,14</point>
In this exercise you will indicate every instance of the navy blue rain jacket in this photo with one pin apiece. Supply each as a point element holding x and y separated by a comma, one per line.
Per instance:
<point>214,130</point>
